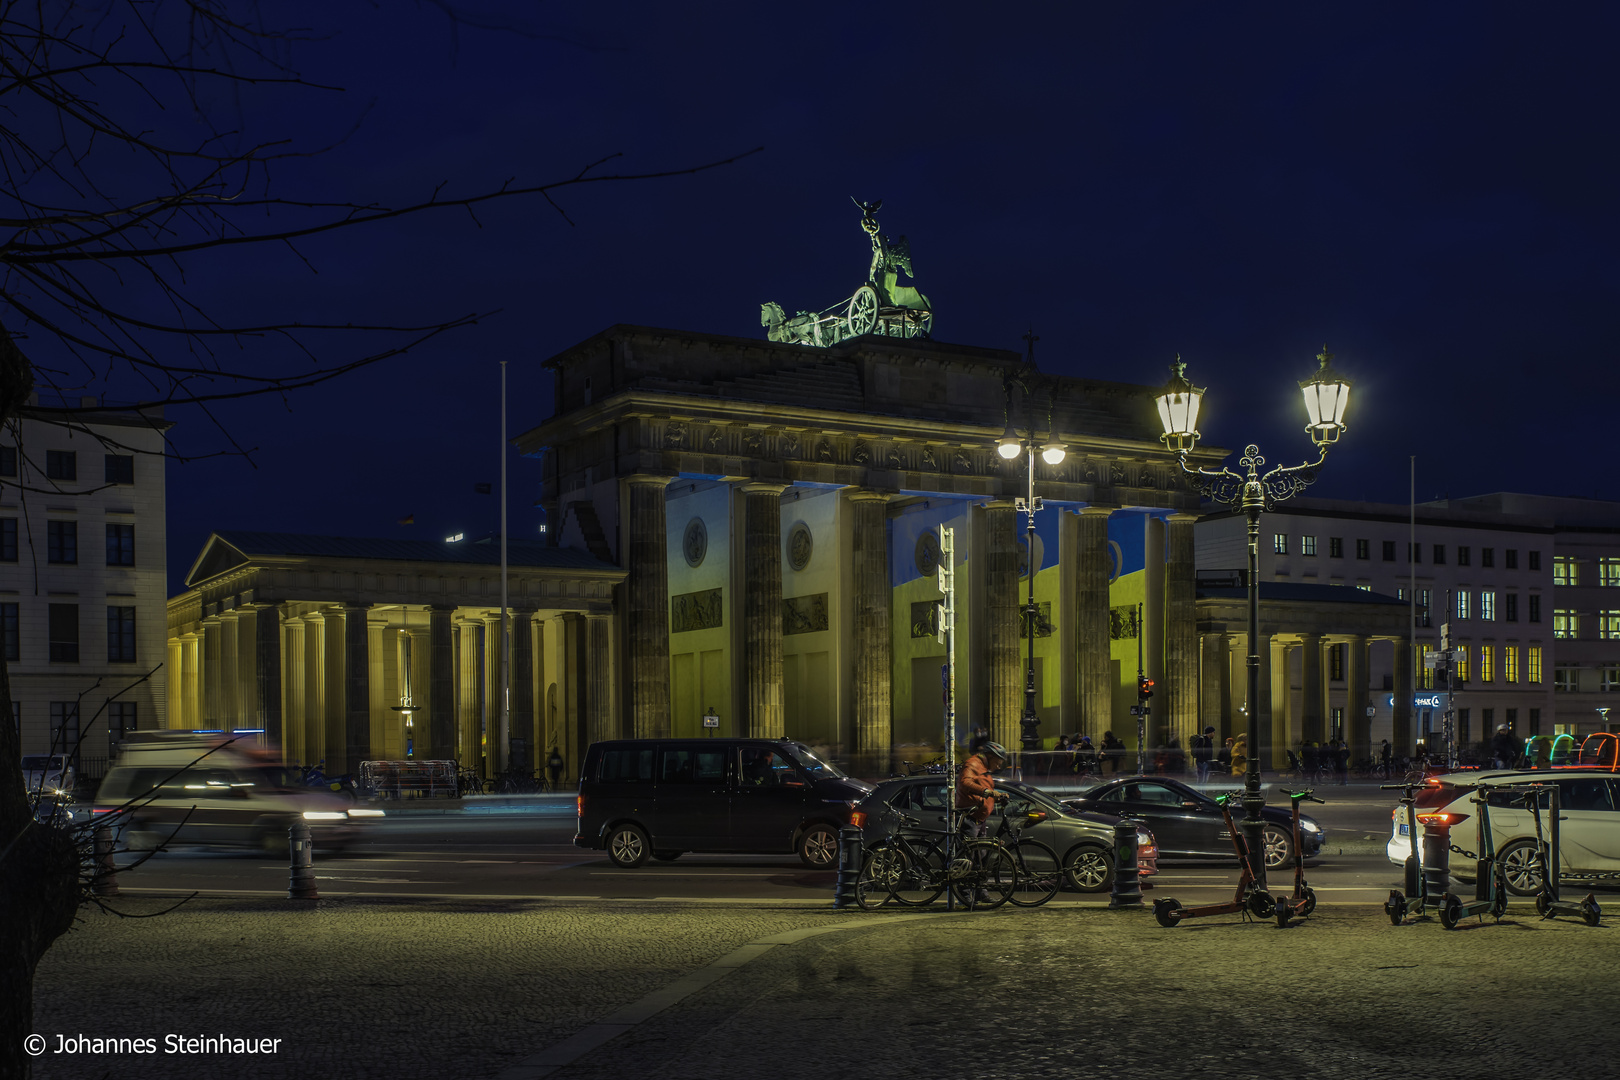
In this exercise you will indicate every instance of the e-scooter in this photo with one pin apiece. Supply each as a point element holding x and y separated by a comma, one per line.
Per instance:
<point>1548,903</point>
<point>1490,888</point>
<point>1416,897</point>
<point>1303,902</point>
<point>1247,898</point>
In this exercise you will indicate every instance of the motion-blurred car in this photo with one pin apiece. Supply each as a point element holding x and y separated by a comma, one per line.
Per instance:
<point>1188,824</point>
<point>1083,841</point>
<point>48,774</point>
<point>1589,825</point>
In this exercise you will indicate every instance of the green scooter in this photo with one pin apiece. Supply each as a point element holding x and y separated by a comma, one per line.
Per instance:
<point>1416,895</point>
<point>1548,903</point>
<point>1490,885</point>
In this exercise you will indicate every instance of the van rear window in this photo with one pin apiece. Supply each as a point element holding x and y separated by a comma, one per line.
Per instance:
<point>627,766</point>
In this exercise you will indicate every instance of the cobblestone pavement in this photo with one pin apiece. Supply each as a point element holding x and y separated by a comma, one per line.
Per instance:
<point>402,989</point>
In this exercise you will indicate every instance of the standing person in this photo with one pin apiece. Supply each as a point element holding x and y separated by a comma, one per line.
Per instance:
<point>1240,755</point>
<point>1341,761</point>
<point>554,765</point>
<point>1502,748</point>
<point>1385,753</point>
<point>1203,750</point>
<point>1224,757</point>
<point>1111,751</point>
<point>976,787</point>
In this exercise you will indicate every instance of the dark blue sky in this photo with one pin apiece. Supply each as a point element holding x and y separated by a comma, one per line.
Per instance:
<point>1426,188</point>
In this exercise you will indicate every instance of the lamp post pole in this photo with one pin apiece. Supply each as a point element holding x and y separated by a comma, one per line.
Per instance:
<point>1251,491</point>
<point>1030,721</point>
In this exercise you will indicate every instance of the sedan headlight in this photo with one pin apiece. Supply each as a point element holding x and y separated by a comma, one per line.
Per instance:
<point>1309,826</point>
<point>322,815</point>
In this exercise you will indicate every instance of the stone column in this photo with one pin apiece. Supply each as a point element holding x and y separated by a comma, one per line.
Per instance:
<point>1357,725</point>
<point>1095,658</point>
<point>1312,720</point>
<point>175,687</point>
<point>1181,632</point>
<point>573,688</point>
<point>873,674</point>
<point>295,744</point>
<point>418,736</point>
<point>647,617</point>
<point>439,733</point>
<point>382,656</point>
<point>468,749</point>
<point>209,675</point>
<point>267,671</point>
<point>1006,675</point>
<point>599,703</point>
<point>523,726</point>
<point>1214,705</point>
<point>762,610</point>
<point>356,688</point>
<point>336,712</point>
<point>1402,720</point>
<point>494,737</point>
<point>1282,696</point>
<point>229,699</point>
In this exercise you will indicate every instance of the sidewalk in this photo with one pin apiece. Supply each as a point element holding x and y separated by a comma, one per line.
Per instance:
<point>618,991</point>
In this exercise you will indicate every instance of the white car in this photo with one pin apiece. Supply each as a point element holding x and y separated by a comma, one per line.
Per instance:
<point>47,774</point>
<point>1589,834</point>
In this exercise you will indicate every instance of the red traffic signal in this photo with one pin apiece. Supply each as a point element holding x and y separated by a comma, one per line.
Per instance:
<point>1144,687</point>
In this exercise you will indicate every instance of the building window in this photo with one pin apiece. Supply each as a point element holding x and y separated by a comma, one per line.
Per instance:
<point>1609,625</point>
<point>62,464</point>
<point>1335,547</point>
<point>120,545</point>
<point>1532,664</point>
<point>8,461</point>
<point>65,727</point>
<point>1462,603</point>
<point>10,632</point>
<point>1609,571</point>
<point>1439,555</point>
<point>1564,572</point>
<point>121,635</point>
<point>1535,564</point>
<point>1363,587</point>
<point>120,468</point>
<point>1487,605</point>
<point>1462,555</point>
<point>1609,679</point>
<point>1487,719</point>
<point>1336,721</point>
<point>1487,557</point>
<point>1510,607</point>
<point>1423,607</point>
<point>8,539</point>
<point>1460,663</point>
<point>1389,551</point>
<point>1564,624</point>
<point>1424,679</point>
<point>1363,549</point>
<point>1512,555</point>
<point>1336,662</point>
<point>1510,663</point>
<point>1487,663</point>
<point>61,541</point>
<point>1535,608</point>
<point>1462,726</point>
<point>1535,714</point>
<point>1279,543</point>
<point>1564,679</point>
<point>1414,553</point>
<point>1307,545</point>
<point>63,631</point>
<point>120,721</point>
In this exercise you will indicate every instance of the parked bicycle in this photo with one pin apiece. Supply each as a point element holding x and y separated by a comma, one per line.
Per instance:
<point>909,867</point>
<point>1040,872</point>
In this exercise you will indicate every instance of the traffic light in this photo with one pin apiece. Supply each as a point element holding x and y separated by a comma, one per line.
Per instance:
<point>1144,687</point>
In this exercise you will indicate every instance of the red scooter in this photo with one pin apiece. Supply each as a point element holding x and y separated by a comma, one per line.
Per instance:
<point>1246,898</point>
<point>1303,902</point>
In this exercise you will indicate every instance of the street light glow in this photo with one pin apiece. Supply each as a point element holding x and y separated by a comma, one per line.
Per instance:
<point>1326,395</point>
<point>1054,452</point>
<point>1010,443</point>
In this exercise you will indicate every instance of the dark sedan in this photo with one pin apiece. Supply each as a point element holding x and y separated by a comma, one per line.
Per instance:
<point>1083,841</point>
<point>1187,823</point>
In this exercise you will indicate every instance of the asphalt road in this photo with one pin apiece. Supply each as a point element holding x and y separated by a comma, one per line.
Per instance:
<point>496,850</point>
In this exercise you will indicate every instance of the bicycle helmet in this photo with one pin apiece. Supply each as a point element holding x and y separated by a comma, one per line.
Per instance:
<point>995,749</point>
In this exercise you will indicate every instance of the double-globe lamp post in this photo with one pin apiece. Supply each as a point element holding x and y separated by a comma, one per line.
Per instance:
<point>1009,446</point>
<point>1326,394</point>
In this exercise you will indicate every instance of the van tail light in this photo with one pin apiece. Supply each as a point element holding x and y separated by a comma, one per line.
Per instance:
<point>579,805</point>
<point>1442,820</point>
<point>857,818</point>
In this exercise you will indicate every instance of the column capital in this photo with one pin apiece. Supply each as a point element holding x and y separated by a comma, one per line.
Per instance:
<point>1181,516</point>
<point>858,494</point>
<point>1096,511</point>
<point>653,479</point>
<point>763,487</point>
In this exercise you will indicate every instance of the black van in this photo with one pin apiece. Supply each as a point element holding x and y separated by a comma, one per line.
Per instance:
<point>665,797</point>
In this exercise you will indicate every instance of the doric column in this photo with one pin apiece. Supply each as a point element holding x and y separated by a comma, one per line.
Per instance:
<point>523,726</point>
<point>356,688</point>
<point>314,686</point>
<point>573,688</point>
<point>1214,705</point>
<point>1311,721</point>
<point>418,736</point>
<point>336,713</point>
<point>1357,725</point>
<point>1006,676</point>
<point>1181,632</point>
<point>1276,755</point>
<point>266,689</point>
<point>494,737</point>
<point>647,619</point>
<point>762,610</point>
<point>1095,656</point>
<point>295,742</point>
<point>468,750</point>
<point>382,661</point>
<point>1402,738</point>
<point>599,713</point>
<point>873,673</point>
<point>229,699</point>
<point>440,729</point>
<point>175,687</point>
<point>209,675</point>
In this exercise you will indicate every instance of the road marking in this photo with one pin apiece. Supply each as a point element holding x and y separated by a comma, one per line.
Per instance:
<point>689,873</point>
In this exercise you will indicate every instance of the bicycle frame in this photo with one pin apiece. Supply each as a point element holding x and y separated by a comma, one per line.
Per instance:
<point>1245,898</point>
<point>1303,901</point>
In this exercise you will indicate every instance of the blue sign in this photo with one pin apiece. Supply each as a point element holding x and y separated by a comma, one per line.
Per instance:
<point>1421,701</point>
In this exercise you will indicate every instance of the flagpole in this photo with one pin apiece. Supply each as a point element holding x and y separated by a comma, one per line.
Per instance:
<point>506,637</point>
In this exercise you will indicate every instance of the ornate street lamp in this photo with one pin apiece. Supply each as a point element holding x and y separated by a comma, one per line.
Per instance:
<point>1326,395</point>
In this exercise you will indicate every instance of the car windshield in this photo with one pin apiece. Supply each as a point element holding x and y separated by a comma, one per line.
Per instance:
<point>1038,797</point>
<point>37,762</point>
<point>814,764</point>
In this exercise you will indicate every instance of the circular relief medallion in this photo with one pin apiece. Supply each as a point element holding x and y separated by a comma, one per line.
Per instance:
<point>926,554</point>
<point>695,542</point>
<point>799,545</point>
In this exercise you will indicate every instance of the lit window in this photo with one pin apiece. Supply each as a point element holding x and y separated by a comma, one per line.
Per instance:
<point>1564,679</point>
<point>1462,603</point>
<point>1424,679</point>
<point>1609,571</point>
<point>1279,543</point>
<point>1335,547</point>
<point>1487,663</point>
<point>1336,663</point>
<point>1609,625</point>
<point>1363,588</point>
<point>1510,663</point>
<point>1564,572</point>
<point>1487,606</point>
<point>1460,663</point>
<point>1307,545</point>
<point>1532,664</point>
<point>1609,679</point>
<point>1564,624</point>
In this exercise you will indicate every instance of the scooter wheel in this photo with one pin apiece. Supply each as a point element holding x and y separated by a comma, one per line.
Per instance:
<point>1307,905</point>
<point>1395,908</point>
<point>1590,911</point>
<point>1261,905</point>
<point>1167,911</point>
<point>1450,911</point>
<point>1542,904</point>
<point>1283,910</point>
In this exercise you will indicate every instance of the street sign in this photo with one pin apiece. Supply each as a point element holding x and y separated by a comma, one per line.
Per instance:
<point>711,720</point>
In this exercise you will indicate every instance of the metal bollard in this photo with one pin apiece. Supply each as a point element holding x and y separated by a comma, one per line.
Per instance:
<point>105,882</point>
<point>849,866</point>
<point>1436,861</point>
<point>301,886</point>
<point>1127,890</point>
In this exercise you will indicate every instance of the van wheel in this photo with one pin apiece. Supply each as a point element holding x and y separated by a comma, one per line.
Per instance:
<point>818,847</point>
<point>627,846</point>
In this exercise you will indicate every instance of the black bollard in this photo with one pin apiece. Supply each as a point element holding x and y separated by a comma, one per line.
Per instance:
<point>1127,890</point>
<point>301,886</point>
<point>105,882</point>
<point>850,853</point>
<point>1436,861</point>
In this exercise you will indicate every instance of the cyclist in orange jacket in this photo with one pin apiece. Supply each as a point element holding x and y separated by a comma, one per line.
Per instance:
<point>976,788</point>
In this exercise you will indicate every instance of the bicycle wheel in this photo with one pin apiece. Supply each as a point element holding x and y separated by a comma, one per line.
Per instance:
<point>991,878</point>
<point>878,874</point>
<point>920,878</point>
<point>1040,873</point>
